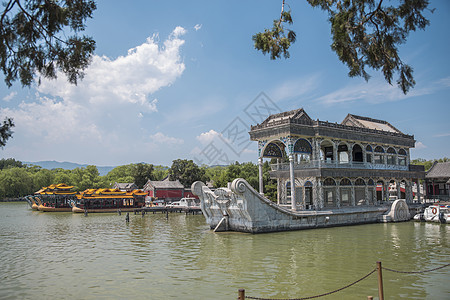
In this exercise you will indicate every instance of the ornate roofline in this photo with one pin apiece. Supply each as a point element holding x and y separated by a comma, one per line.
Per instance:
<point>318,123</point>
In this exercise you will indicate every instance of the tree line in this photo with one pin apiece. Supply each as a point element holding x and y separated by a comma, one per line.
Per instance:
<point>18,179</point>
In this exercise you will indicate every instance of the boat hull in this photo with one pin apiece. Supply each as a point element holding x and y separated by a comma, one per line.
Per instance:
<point>54,209</point>
<point>243,209</point>
<point>435,213</point>
<point>77,209</point>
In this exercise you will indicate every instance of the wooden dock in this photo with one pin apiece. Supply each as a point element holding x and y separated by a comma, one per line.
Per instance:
<point>165,210</point>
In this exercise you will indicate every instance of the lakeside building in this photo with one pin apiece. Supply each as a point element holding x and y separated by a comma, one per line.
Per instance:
<point>167,190</point>
<point>126,187</point>
<point>437,181</point>
<point>329,165</point>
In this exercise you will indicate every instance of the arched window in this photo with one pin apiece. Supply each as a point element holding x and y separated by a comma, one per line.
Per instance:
<point>360,181</point>
<point>303,150</point>
<point>343,153</point>
<point>329,182</point>
<point>390,157</point>
<point>379,155</point>
<point>391,150</point>
<point>288,190</point>
<point>402,157</point>
<point>346,192</point>
<point>379,149</point>
<point>302,146</point>
<point>345,181</point>
<point>357,153</point>
<point>326,151</point>
<point>329,194</point>
<point>369,154</point>
<point>273,150</point>
<point>360,192</point>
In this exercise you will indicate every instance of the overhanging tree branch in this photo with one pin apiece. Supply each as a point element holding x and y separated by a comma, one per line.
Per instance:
<point>365,33</point>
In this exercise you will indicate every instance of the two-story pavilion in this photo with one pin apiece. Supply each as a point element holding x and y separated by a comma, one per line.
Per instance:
<point>322,165</point>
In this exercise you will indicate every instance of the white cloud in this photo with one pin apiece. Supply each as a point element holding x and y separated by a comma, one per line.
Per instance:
<point>178,31</point>
<point>420,145</point>
<point>10,96</point>
<point>379,91</point>
<point>104,110</point>
<point>126,79</point>
<point>295,88</point>
<point>442,134</point>
<point>160,138</point>
<point>197,27</point>
<point>207,137</point>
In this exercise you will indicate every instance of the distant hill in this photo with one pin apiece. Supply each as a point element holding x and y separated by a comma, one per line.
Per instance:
<point>52,164</point>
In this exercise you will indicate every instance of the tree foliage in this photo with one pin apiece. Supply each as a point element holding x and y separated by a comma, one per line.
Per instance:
<point>186,171</point>
<point>365,34</point>
<point>6,131</point>
<point>142,173</point>
<point>220,176</point>
<point>35,39</point>
<point>428,163</point>
<point>276,41</point>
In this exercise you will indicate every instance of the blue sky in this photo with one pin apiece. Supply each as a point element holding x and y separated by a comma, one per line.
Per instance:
<point>173,79</point>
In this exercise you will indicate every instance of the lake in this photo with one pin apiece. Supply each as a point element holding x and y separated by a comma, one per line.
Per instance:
<point>101,256</point>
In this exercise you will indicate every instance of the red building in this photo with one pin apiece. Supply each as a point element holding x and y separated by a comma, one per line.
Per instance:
<point>437,181</point>
<point>167,190</point>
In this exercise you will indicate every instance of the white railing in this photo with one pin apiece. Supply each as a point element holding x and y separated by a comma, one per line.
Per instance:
<point>315,164</point>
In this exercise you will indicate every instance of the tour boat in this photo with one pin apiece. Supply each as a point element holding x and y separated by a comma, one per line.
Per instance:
<point>55,198</point>
<point>435,213</point>
<point>32,202</point>
<point>108,200</point>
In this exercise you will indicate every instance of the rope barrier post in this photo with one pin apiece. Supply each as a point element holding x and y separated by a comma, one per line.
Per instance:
<point>380,281</point>
<point>241,294</point>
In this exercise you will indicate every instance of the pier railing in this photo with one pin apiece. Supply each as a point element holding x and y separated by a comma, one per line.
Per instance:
<point>378,269</point>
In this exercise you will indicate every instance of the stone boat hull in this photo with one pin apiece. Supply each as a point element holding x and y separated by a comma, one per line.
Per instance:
<point>241,208</point>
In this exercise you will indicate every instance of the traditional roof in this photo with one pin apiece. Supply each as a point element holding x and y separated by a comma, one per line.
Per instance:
<point>296,114</point>
<point>365,122</point>
<point>166,184</point>
<point>125,186</point>
<point>439,170</point>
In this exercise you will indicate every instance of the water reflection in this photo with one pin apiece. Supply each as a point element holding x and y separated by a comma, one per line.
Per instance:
<point>102,256</point>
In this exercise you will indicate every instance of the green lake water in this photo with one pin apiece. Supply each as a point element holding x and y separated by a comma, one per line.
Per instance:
<point>70,256</point>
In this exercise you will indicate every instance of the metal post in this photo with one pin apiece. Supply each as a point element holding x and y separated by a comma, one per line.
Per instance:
<point>241,294</point>
<point>380,281</point>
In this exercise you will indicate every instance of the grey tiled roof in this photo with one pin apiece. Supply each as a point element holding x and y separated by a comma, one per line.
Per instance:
<point>439,170</point>
<point>125,185</point>
<point>365,122</point>
<point>166,184</point>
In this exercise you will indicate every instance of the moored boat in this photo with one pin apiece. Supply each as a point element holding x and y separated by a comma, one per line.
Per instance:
<point>55,198</point>
<point>435,213</point>
<point>108,201</point>
<point>31,202</point>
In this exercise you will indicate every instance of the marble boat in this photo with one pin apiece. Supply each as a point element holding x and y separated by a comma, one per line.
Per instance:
<point>326,174</point>
<point>241,208</point>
